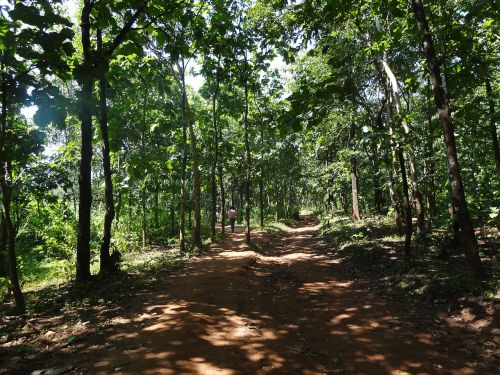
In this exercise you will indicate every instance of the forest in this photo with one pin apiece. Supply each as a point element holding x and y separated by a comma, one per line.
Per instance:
<point>128,128</point>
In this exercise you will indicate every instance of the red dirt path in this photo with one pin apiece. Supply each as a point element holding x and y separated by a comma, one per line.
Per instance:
<point>287,310</point>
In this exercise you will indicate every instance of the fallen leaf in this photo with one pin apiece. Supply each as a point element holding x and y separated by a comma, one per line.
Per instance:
<point>53,370</point>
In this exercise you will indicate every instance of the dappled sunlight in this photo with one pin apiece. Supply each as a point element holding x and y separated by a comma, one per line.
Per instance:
<point>284,310</point>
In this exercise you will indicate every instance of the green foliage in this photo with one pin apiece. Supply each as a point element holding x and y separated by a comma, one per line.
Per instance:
<point>4,287</point>
<point>329,117</point>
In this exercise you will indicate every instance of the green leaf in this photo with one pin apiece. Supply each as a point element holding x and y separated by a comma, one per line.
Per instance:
<point>488,23</point>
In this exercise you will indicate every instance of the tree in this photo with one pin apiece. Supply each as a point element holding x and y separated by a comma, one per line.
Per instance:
<point>91,64</point>
<point>23,66</point>
<point>458,195</point>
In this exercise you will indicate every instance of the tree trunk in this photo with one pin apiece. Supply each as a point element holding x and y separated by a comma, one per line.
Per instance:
<point>430,169</point>
<point>215,162</point>
<point>85,177</point>
<point>105,258</point>
<point>85,184</point>
<point>354,189</point>
<point>143,154</point>
<point>377,188</point>
<point>196,187</point>
<point>417,194</point>
<point>393,195</point>
<point>172,214</point>
<point>248,159</point>
<point>182,197</point>
<point>8,235</point>
<point>187,121</point>
<point>11,250</point>
<point>241,202</point>
<point>223,201</point>
<point>261,176</point>
<point>406,196</point>
<point>469,242</point>
<point>277,206</point>
<point>3,247</point>
<point>406,202</point>
<point>395,199</point>
<point>493,126</point>
<point>221,177</point>
<point>144,218</point>
<point>157,204</point>
<point>354,176</point>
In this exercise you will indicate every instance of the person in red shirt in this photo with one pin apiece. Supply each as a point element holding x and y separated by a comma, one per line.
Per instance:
<point>232,217</point>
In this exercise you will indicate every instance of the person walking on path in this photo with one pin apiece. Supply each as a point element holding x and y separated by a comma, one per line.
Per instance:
<point>232,217</point>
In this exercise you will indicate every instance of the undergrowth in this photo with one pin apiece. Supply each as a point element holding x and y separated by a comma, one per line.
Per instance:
<point>138,268</point>
<point>373,249</point>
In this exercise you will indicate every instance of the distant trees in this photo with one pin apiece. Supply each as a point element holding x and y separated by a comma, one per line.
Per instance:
<point>351,126</point>
<point>392,93</point>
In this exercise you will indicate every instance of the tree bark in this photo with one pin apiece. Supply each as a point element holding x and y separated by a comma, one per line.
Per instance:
<point>354,189</point>
<point>11,235</point>
<point>377,187</point>
<point>469,242</point>
<point>196,187</point>
<point>261,176</point>
<point>223,201</point>
<point>417,194</point>
<point>105,258</point>
<point>157,204</point>
<point>144,218</point>
<point>5,187</point>
<point>143,153</point>
<point>182,197</point>
<point>221,179</point>
<point>354,177</point>
<point>85,181</point>
<point>406,196</point>
<point>248,158</point>
<point>395,199</point>
<point>215,163</point>
<point>85,184</point>
<point>430,169</point>
<point>3,247</point>
<point>172,214</point>
<point>406,202</point>
<point>393,195</point>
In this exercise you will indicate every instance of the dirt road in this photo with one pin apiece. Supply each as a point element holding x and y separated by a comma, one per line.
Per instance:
<point>284,310</point>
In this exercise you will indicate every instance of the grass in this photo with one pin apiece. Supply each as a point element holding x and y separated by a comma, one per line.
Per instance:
<point>276,228</point>
<point>373,249</point>
<point>57,290</point>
